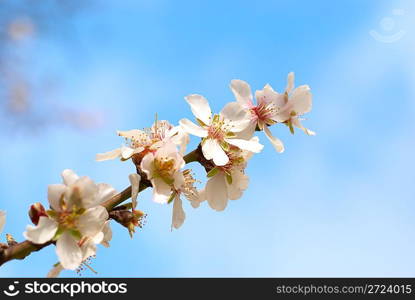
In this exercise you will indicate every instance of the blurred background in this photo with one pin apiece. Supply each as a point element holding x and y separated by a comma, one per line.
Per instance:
<point>337,204</point>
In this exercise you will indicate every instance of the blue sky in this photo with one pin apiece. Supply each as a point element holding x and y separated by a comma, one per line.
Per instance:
<point>337,204</point>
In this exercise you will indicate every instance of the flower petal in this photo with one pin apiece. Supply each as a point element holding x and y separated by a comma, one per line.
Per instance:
<point>276,142</point>
<point>239,184</point>
<point>147,164</point>
<point>251,145</point>
<point>268,95</point>
<point>43,232</point>
<point>212,150</point>
<point>82,193</point>
<point>108,155</point>
<point>161,191</point>
<point>107,234</point>
<point>135,186</point>
<point>237,118</point>
<point>2,220</point>
<point>301,100</point>
<point>105,192</point>
<point>127,152</point>
<point>242,92</point>
<point>68,251</point>
<point>92,221</point>
<point>192,128</point>
<point>56,270</point>
<point>200,108</point>
<point>296,122</point>
<point>178,215</point>
<point>290,82</point>
<point>216,192</point>
<point>55,192</point>
<point>69,177</point>
<point>134,134</point>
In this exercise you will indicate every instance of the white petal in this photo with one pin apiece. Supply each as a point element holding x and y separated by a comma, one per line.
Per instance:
<point>2,220</point>
<point>242,92</point>
<point>147,165</point>
<point>135,186</point>
<point>296,122</point>
<point>108,155</point>
<point>68,251</point>
<point>161,191</point>
<point>92,221</point>
<point>301,100</point>
<point>69,177</point>
<point>216,192</point>
<point>290,82</point>
<point>126,152</point>
<point>252,145</point>
<point>237,117</point>
<point>192,128</point>
<point>133,134</point>
<point>107,234</point>
<point>248,132</point>
<point>43,232</point>
<point>105,192</point>
<point>87,190</point>
<point>200,108</point>
<point>55,192</point>
<point>268,95</point>
<point>179,215</point>
<point>88,249</point>
<point>276,142</point>
<point>212,150</point>
<point>239,184</point>
<point>56,270</point>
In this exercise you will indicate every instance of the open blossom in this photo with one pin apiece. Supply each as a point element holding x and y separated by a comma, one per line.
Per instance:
<point>2,220</point>
<point>263,114</point>
<point>164,169</point>
<point>143,141</point>
<point>76,220</point>
<point>296,102</point>
<point>227,182</point>
<point>219,132</point>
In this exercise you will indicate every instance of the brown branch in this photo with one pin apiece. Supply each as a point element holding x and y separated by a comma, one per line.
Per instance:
<point>22,250</point>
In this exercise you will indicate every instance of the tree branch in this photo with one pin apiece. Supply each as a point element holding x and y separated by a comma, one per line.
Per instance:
<point>22,250</point>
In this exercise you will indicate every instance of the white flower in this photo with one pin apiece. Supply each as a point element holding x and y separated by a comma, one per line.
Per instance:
<point>296,102</point>
<point>75,218</point>
<point>227,182</point>
<point>2,220</point>
<point>219,132</point>
<point>263,113</point>
<point>163,170</point>
<point>139,141</point>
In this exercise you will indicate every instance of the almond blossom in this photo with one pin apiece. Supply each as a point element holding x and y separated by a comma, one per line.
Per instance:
<point>227,182</point>
<point>143,141</point>
<point>163,169</point>
<point>219,132</point>
<point>296,102</point>
<point>76,220</point>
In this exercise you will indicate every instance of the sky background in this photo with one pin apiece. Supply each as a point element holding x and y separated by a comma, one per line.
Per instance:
<point>341,203</point>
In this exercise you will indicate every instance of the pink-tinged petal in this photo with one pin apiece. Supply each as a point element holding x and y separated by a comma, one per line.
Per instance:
<point>296,122</point>
<point>87,192</point>
<point>290,82</point>
<point>192,128</point>
<point>43,232</point>
<point>55,192</point>
<point>250,145</point>
<point>108,155</point>
<point>248,132</point>
<point>267,95</point>
<point>2,220</point>
<point>69,177</point>
<point>178,180</point>
<point>236,116</point>
<point>161,191</point>
<point>135,186</point>
<point>147,164</point>
<point>276,142</point>
<point>212,150</point>
<point>301,100</point>
<point>68,251</point>
<point>200,108</point>
<point>178,215</point>
<point>216,192</point>
<point>242,92</point>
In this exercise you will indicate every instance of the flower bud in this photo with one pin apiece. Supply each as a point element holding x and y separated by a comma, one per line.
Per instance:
<point>36,211</point>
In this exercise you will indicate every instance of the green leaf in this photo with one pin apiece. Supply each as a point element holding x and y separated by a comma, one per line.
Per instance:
<point>172,196</point>
<point>212,172</point>
<point>229,178</point>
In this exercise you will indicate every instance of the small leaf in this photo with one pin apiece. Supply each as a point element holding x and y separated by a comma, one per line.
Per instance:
<point>212,172</point>
<point>229,178</point>
<point>172,196</point>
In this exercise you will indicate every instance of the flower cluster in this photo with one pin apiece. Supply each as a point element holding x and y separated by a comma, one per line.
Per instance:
<point>78,217</point>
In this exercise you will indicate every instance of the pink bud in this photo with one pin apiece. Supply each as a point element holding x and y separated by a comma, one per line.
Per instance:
<point>36,211</point>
